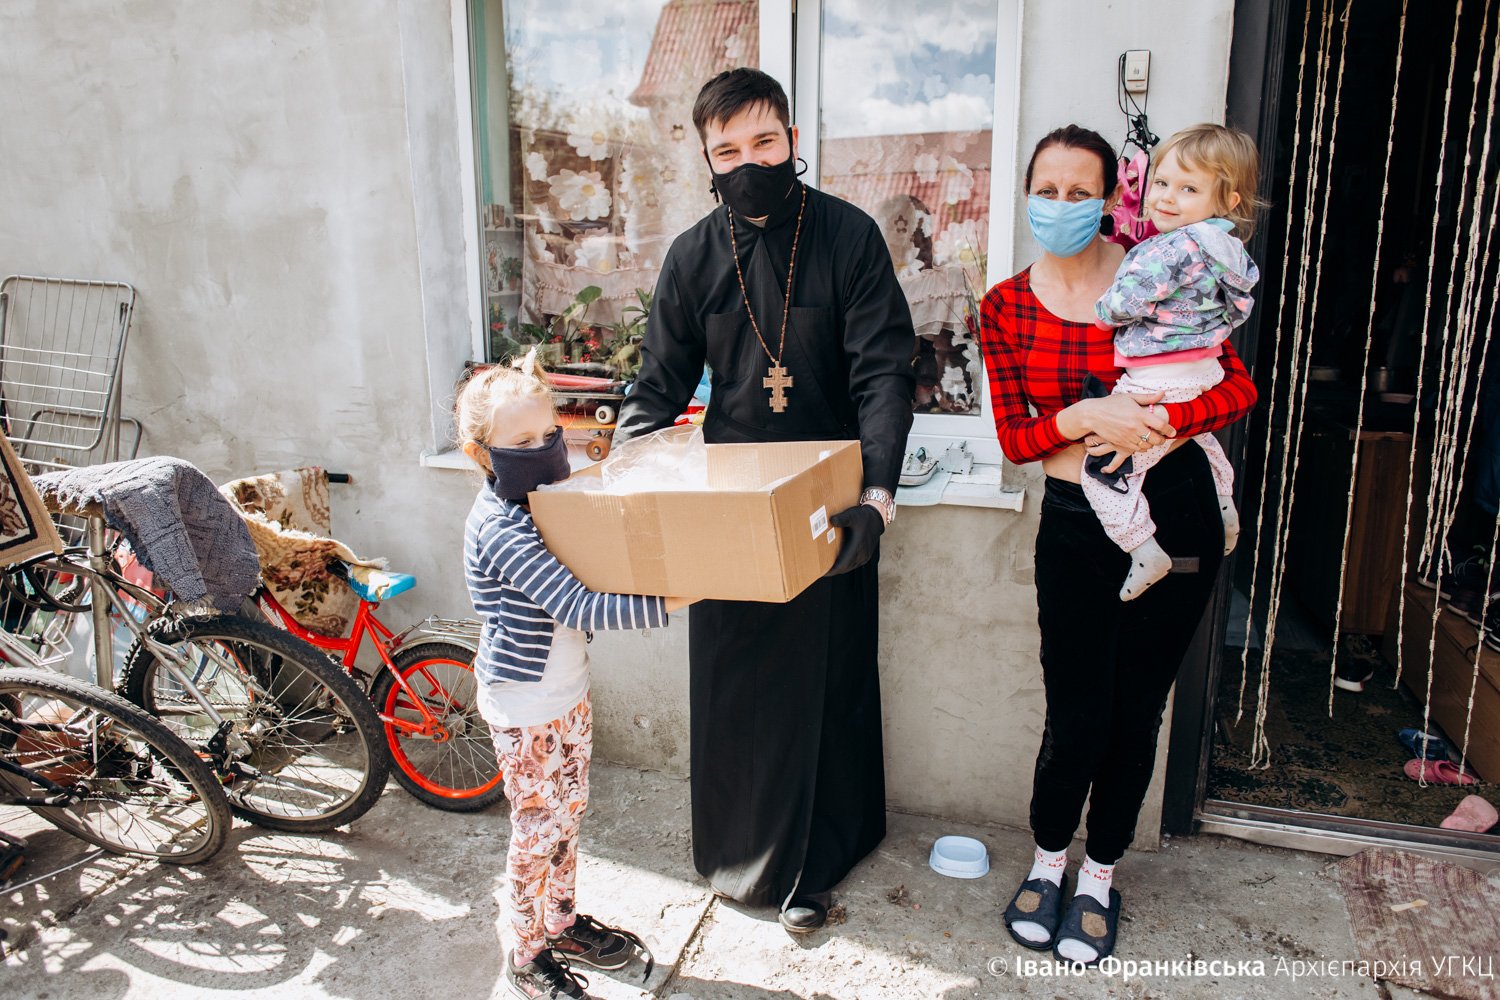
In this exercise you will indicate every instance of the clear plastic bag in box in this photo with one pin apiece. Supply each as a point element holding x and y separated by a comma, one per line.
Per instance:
<point>671,459</point>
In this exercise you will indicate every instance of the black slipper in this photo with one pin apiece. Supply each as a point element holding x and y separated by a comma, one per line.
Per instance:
<point>1090,923</point>
<point>1038,901</point>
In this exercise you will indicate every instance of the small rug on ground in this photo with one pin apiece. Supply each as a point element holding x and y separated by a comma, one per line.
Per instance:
<point>1432,924</point>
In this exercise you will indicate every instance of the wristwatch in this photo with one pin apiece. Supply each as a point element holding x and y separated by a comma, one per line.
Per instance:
<point>882,500</point>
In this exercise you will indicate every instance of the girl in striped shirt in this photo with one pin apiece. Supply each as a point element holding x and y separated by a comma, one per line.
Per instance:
<point>533,670</point>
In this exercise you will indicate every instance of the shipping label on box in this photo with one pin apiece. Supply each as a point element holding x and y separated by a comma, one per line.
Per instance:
<point>759,533</point>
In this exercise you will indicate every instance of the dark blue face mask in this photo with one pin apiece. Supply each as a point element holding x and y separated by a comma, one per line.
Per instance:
<point>518,471</point>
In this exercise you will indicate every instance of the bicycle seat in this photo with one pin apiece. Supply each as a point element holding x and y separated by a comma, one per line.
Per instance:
<point>377,584</point>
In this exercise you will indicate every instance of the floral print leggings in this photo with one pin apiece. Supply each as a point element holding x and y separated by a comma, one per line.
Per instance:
<point>546,772</point>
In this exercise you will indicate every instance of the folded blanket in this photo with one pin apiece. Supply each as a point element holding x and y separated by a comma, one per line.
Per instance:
<point>175,520</point>
<point>289,520</point>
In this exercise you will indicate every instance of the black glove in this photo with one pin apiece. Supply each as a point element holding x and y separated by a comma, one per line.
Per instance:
<point>863,527</point>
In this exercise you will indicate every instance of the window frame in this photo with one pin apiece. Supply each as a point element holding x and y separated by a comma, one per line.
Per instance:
<point>934,431</point>
<point>465,84</point>
<point>791,51</point>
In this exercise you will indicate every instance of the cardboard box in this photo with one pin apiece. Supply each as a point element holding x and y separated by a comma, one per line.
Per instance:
<point>760,533</point>
<point>1453,676</point>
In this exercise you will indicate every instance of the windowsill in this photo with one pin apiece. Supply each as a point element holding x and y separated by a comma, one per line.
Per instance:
<point>452,458</point>
<point>448,458</point>
<point>982,487</point>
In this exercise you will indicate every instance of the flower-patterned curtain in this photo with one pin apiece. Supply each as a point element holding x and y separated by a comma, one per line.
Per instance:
<point>606,168</point>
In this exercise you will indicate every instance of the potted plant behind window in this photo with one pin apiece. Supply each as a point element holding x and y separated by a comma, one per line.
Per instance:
<point>624,348</point>
<point>558,340</point>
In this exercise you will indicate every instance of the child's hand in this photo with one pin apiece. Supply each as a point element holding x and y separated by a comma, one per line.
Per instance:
<point>678,603</point>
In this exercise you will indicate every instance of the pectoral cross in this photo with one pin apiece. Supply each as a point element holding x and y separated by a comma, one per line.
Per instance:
<point>778,381</point>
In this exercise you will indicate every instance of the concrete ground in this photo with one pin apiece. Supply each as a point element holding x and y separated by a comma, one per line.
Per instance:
<point>401,906</point>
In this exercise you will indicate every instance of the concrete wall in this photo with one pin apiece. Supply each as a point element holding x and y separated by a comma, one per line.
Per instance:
<point>246,167</point>
<point>1069,61</point>
<point>280,180</point>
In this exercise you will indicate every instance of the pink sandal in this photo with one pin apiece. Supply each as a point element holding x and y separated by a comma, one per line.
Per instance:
<point>1473,814</point>
<point>1437,772</point>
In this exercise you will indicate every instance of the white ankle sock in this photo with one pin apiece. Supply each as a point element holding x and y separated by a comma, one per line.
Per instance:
<point>1231,518</point>
<point>1093,880</point>
<point>1048,865</point>
<point>1149,562</point>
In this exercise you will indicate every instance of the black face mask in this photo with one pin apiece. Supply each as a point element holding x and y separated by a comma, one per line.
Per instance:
<point>754,191</point>
<point>518,471</point>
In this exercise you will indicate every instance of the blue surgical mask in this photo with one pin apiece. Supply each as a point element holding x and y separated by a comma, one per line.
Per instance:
<point>518,471</point>
<point>1064,228</point>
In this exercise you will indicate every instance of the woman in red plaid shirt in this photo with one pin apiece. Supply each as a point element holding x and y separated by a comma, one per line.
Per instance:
<point>1107,665</point>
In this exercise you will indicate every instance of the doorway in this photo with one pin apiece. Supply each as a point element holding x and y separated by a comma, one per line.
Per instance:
<point>1358,605</point>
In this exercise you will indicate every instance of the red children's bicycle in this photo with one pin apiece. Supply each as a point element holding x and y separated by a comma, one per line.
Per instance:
<point>423,687</point>
<point>426,694</point>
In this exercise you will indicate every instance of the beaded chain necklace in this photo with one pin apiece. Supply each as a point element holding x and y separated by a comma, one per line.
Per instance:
<point>777,380</point>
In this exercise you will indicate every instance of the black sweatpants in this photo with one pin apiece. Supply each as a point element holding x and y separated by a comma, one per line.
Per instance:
<point>1107,665</point>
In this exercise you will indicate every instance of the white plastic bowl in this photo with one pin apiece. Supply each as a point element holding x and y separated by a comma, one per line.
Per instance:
<point>959,857</point>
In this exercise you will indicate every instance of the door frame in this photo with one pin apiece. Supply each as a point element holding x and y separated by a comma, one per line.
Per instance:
<point>1256,72</point>
<point>1253,104</point>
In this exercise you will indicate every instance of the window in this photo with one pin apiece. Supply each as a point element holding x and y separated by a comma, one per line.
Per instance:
<point>588,163</point>
<point>903,100</point>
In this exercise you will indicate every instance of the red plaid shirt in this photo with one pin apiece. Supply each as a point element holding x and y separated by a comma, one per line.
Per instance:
<point>1037,360</point>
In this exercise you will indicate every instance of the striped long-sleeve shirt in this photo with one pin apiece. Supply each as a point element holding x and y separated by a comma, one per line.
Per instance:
<point>520,590</point>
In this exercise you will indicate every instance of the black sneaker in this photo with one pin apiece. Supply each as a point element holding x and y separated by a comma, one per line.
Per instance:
<point>1489,631</point>
<point>1356,664</point>
<point>1469,573</point>
<point>1353,675</point>
<point>599,945</point>
<point>547,976</point>
<point>1468,603</point>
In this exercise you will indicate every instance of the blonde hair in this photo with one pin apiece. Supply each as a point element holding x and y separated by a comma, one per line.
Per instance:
<point>487,391</point>
<point>1230,156</point>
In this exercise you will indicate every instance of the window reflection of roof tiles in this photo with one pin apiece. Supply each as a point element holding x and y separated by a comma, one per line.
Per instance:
<point>689,47</point>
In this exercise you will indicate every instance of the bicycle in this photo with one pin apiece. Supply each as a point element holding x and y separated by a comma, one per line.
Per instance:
<point>425,694</point>
<point>293,739</point>
<point>424,688</point>
<point>96,766</point>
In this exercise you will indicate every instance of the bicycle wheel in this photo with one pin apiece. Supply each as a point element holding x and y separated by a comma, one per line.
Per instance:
<point>303,751</point>
<point>455,769</point>
<point>134,787</point>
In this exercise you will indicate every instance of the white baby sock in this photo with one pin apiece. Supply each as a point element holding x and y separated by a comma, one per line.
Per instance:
<point>1149,562</point>
<point>1048,865</point>
<point>1231,522</point>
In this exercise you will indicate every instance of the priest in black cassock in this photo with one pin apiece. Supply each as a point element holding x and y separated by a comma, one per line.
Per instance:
<point>791,297</point>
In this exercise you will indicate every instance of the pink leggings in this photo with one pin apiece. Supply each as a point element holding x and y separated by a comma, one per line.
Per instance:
<point>546,772</point>
<point>1125,515</point>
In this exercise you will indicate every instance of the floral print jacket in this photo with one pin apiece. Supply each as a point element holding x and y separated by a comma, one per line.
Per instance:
<point>1180,291</point>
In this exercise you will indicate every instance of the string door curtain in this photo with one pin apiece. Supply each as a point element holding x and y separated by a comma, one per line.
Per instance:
<point>1453,339</point>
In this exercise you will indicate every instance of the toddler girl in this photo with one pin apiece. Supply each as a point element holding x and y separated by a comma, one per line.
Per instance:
<point>1175,299</point>
<point>533,670</point>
